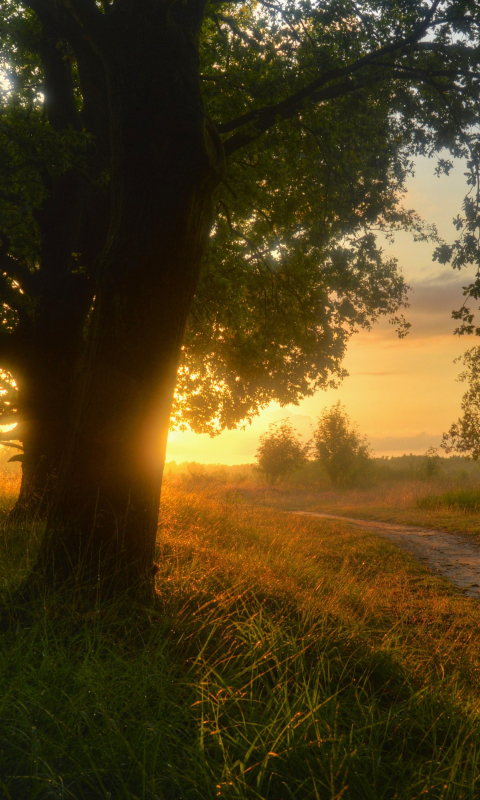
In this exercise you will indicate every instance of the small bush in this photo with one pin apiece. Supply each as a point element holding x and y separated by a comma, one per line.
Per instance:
<point>280,452</point>
<point>432,464</point>
<point>341,451</point>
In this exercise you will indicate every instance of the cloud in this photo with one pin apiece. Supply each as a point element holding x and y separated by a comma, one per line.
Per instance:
<point>432,301</point>
<point>395,445</point>
<point>375,374</point>
<point>438,295</point>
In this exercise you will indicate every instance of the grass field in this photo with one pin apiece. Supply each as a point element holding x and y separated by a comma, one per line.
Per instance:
<point>284,658</point>
<point>439,504</point>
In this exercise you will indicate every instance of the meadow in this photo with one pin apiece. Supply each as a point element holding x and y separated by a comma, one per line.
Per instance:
<point>284,657</point>
<point>396,491</point>
<point>443,503</point>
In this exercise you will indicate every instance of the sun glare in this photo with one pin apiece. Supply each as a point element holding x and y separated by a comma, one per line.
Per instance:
<point>7,428</point>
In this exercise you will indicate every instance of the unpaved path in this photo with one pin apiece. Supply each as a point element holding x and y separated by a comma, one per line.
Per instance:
<point>450,554</point>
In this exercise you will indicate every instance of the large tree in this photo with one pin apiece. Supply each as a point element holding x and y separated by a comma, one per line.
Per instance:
<point>279,134</point>
<point>54,223</point>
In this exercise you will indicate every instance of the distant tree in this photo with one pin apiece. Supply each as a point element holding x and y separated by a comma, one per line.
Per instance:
<point>280,452</point>
<point>342,451</point>
<point>432,464</point>
<point>464,435</point>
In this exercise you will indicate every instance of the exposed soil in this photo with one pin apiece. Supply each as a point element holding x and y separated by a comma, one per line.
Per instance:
<point>452,555</point>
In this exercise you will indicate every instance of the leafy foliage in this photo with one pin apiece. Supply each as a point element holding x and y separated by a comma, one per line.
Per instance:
<point>321,108</point>
<point>280,452</point>
<point>293,246</point>
<point>341,450</point>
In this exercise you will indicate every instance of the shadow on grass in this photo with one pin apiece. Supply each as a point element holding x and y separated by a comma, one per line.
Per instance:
<point>269,666</point>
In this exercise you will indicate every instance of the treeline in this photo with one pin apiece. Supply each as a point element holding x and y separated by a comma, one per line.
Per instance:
<point>385,468</point>
<point>415,466</point>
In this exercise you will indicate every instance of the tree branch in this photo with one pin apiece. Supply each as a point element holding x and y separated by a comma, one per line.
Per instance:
<point>58,85</point>
<point>75,19</point>
<point>14,269</point>
<point>235,28</point>
<point>243,138</point>
<point>424,74</point>
<point>287,107</point>
<point>8,443</point>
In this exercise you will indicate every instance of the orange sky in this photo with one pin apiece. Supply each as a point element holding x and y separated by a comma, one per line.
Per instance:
<point>402,393</point>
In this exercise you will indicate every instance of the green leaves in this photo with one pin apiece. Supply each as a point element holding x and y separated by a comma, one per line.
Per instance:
<point>322,108</point>
<point>341,450</point>
<point>293,267</point>
<point>280,452</point>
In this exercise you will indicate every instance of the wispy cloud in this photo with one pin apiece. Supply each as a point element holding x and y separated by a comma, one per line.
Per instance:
<point>430,311</point>
<point>381,374</point>
<point>394,445</point>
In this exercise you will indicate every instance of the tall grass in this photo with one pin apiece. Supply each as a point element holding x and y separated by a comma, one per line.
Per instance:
<point>399,495</point>
<point>9,488</point>
<point>284,657</point>
<point>442,503</point>
<point>466,500</point>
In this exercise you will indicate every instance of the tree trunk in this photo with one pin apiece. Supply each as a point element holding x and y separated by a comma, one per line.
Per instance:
<point>48,349</point>
<point>40,462</point>
<point>46,398</point>
<point>102,526</point>
<point>72,223</point>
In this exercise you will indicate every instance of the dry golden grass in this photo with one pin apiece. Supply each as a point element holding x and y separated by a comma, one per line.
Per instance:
<point>386,501</point>
<point>284,657</point>
<point>323,567</point>
<point>9,488</point>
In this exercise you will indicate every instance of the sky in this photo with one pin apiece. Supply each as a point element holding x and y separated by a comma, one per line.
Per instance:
<point>403,394</point>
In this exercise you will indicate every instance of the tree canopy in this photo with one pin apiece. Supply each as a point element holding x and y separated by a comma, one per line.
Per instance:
<point>321,108</point>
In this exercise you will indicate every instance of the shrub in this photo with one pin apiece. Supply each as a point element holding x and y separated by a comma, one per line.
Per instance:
<point>342,451</point>
<point>432,463</point>
<point>280,452</point>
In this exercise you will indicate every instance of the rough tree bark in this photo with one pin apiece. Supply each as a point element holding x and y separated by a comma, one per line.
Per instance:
<point>73,219</point>
<point>165,166</point>
<point>45,389</point>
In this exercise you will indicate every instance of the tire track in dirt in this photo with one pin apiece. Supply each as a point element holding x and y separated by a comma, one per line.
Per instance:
<point>452,555</point>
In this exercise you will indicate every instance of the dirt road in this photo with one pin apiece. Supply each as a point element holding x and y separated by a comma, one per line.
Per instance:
<point>453,555</point>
